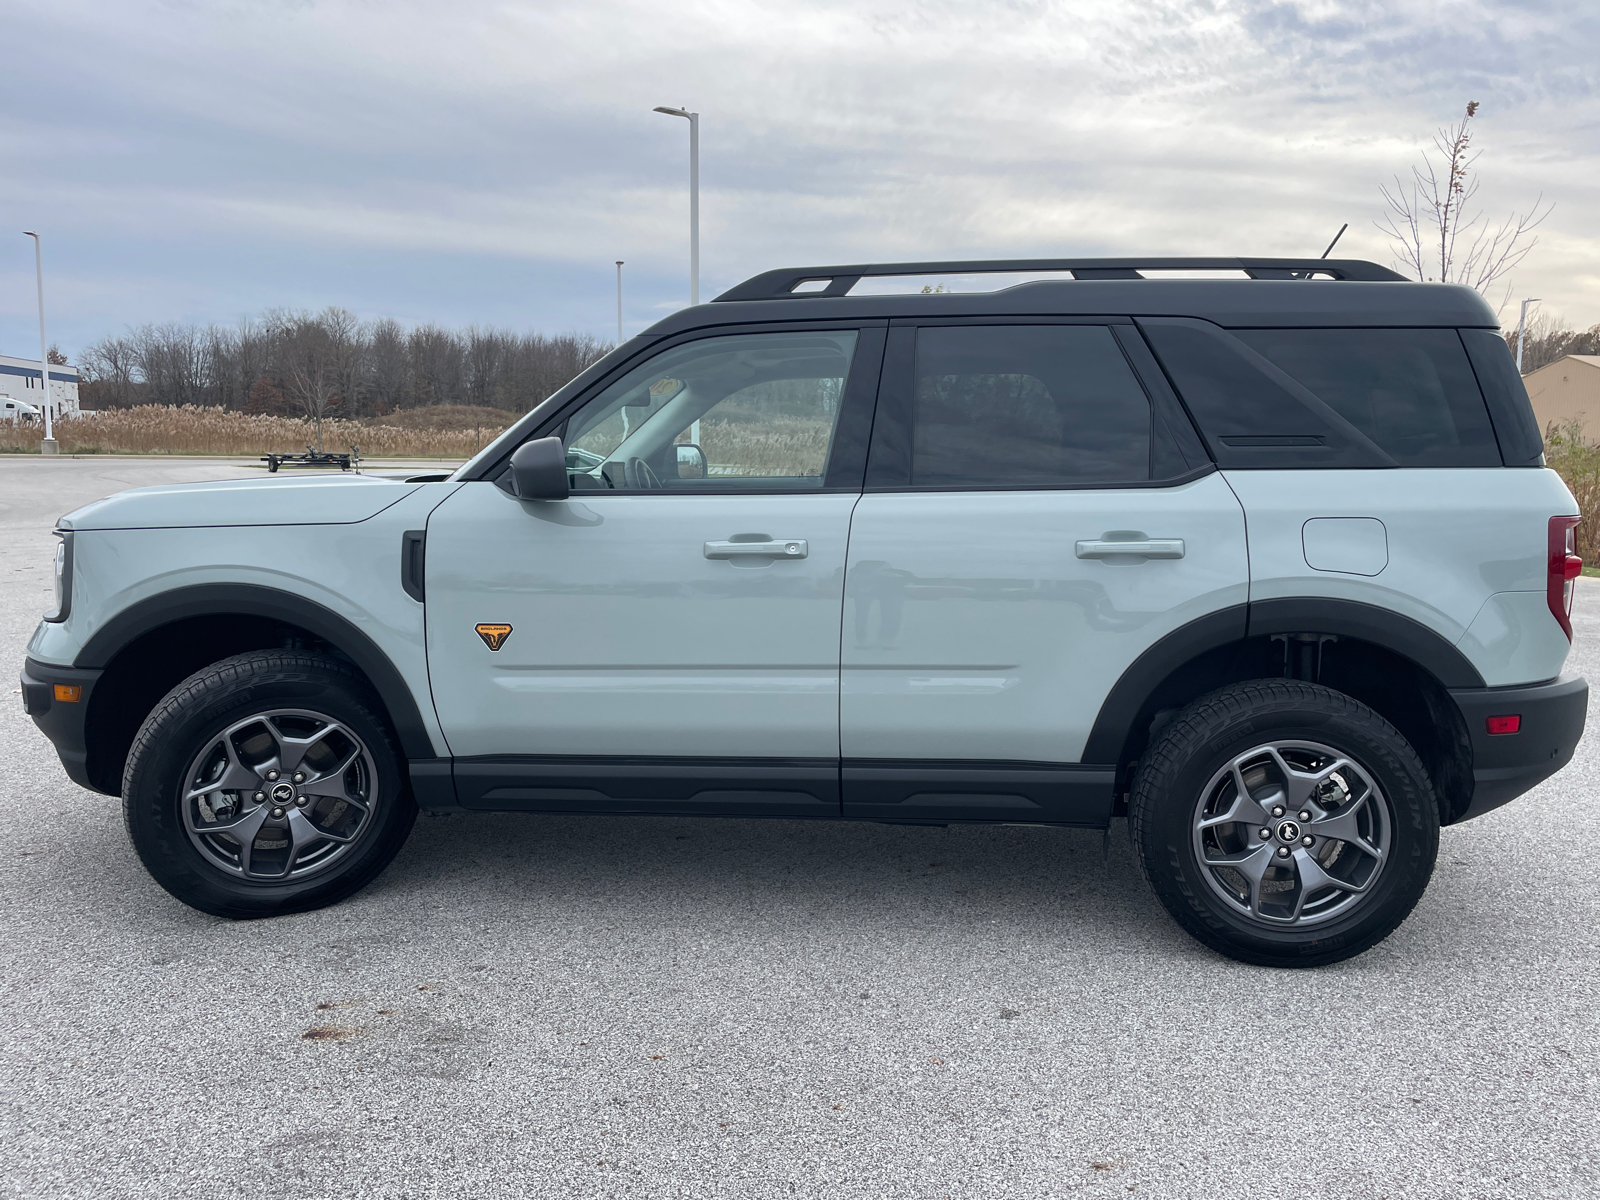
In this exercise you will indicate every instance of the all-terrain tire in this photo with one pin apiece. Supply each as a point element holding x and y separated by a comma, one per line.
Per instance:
<point>196,714</point>
<point>1166,808</point>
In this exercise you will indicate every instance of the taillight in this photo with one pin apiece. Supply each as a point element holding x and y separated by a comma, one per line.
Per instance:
<point>1564,568</point>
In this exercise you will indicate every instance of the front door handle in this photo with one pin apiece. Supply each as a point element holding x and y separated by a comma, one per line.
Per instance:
<point>779,548</point>
<point>1141,548</point>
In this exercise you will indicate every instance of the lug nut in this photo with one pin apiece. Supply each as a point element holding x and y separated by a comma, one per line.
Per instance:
<point>299,776</point>
<point>1307,840</point>
<point>1265,834</point>
<point>1305,814</point>
<point>305,800</point>
<point>278,812</point>
<point>259,797</point>
<point>1277,809</point>
<point>271,775</point>
<point>1283,852</point>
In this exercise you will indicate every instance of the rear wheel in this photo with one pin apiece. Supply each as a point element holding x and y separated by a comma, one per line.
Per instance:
<point>1284,823</point>
<point>266,783</point>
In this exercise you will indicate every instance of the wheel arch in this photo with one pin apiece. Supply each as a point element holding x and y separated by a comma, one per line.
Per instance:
<point>150,646</point>
<point>1392,663</point>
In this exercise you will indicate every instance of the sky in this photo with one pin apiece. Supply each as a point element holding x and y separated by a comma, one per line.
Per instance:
<point>483,162</point>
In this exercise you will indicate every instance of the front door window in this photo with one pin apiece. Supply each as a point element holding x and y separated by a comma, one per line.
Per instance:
<point>745,412</point>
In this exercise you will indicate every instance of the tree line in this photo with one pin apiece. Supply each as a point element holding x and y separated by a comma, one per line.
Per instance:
<point>1550,341</point>
<point>329,364</point>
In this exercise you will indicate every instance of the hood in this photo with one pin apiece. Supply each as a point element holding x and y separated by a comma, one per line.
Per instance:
<point>330,500</point>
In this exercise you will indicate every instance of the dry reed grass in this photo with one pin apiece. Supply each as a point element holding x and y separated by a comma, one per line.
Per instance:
<point>791,446</point>
<point>1577,461</point>
<point>162,429</point>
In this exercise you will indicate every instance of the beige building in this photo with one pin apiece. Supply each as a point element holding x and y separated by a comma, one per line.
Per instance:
<point>1566,390</point>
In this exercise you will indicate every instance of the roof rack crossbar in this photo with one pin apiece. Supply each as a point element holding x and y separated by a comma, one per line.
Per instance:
<point>837,281</point>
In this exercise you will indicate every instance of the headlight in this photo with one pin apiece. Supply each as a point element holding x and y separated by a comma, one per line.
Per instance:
<point>63,577</point>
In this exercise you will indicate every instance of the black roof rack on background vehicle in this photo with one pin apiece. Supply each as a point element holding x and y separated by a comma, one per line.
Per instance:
<point>837,281</point>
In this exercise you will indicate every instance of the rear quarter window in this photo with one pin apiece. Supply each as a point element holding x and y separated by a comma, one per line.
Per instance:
<point>1412,391</point>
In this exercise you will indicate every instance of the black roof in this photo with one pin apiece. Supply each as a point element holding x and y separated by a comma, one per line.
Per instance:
<point>1276,292</point>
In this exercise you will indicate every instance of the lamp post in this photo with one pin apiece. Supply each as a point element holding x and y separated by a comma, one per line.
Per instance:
<point>694,196</point>
<point>1522,325</point>
<point>619,301</point>
<point>48,446</point>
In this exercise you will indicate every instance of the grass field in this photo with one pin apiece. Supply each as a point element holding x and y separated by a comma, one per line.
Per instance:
<point>447,432</point>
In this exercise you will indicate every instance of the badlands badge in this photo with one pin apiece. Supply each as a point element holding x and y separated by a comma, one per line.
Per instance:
<point>494,636</point>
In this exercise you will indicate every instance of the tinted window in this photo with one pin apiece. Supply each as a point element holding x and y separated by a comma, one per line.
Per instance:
<point>1021,405</point>
<point>760,408</point>
<point>1412,391</point>
<point>1521,443</point>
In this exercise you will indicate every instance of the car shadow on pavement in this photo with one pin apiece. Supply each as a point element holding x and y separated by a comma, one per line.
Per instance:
<point>1047,883</point>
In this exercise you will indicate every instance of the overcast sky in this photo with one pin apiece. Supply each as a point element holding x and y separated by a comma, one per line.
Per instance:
<point>472,161</point>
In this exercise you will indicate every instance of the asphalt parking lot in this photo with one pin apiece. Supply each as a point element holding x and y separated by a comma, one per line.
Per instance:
<point>652,1007</point>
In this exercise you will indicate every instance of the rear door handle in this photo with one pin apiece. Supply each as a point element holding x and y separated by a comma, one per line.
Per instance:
<point>1145,548</point>
<point>780,548</point>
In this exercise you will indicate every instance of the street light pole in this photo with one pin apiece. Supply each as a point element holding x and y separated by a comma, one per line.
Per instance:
<point>1522,325</point>
<point>694,196</point>
<point>619,301</point>
<point>48,446</point>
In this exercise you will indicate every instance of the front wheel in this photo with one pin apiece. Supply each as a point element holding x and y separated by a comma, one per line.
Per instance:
<point>266,783</point>
<point>1284,824</point>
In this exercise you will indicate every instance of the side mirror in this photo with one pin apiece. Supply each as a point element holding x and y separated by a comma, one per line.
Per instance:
<point>539,470</point>
<point>691,461</point>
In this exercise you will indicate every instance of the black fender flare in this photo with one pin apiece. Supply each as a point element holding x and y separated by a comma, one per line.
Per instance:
<point>252,600</point>
<point>1401,635</point>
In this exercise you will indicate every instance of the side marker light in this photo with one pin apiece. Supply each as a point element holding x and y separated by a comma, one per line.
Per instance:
<point>69,693</point>
<point>1504,724</point>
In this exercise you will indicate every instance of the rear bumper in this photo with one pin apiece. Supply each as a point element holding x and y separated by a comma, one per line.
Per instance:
<point>63,721</point>
<point>1506,765</point>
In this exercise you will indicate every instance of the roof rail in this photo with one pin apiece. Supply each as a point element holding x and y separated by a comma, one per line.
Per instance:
<point>837,281</point>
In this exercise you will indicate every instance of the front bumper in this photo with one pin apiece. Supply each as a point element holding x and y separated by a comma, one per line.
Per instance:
<point>1505,765</point>
<point>64,721</point>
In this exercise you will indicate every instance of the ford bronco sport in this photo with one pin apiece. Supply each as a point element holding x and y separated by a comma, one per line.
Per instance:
<point>1271,564</point>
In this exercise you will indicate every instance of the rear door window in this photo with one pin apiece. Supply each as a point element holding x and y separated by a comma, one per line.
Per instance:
<point>1026,406</point>
<point>1412,391</point>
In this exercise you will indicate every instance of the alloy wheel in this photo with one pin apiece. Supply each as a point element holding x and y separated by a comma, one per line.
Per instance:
<point>1292,833</point>
<point>279,795</point>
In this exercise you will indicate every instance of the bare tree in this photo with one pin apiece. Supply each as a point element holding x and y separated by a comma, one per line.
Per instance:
<point>386,374</point>
<point>319,359</point>
<point>173,362</point>
<point>1435,228</point>
<point>436,365</point>
<point>107,371</point>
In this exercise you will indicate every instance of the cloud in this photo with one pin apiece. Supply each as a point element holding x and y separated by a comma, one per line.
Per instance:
<point>198,161</point>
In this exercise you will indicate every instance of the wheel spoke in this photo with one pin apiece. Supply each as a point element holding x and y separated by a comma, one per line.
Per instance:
<point>1310,779</point>
<point>307,831</point>
<point>245,835</point>
<point>292,750</point>
<point>1252,864</point>
<point>331,783</point>
<point>1345,827</point>
<point>236,777</point>
<point>1245,809</point>
<point>1314,879</point>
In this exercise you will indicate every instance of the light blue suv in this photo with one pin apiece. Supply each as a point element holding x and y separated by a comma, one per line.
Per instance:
<point>1266,560</point>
